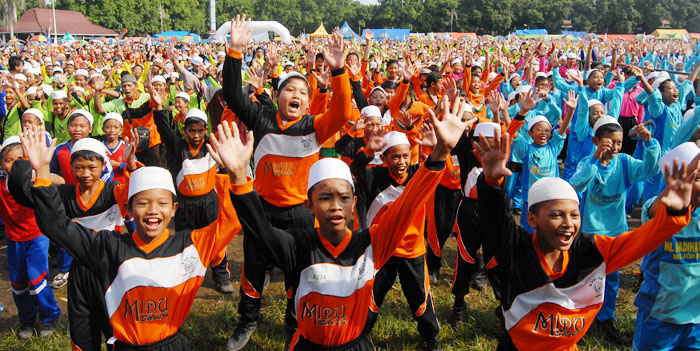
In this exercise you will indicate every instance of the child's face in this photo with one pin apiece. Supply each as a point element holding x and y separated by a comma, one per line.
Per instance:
<point>378,98</point>
<point>616,138</point>
<point>557,223</point>
<point>87,172</point>
<point>695,195</point>
<point>372,125</point>
<point>181,105</point>
<point>195,133</point>
<point>159,86</point>
<point>540,133</point>
<point>60,106</point>
<point>80,81</point>
<point>393,70</point>
<point>9,157</point>
<point>29,120</point>
<point>595,81</point>
<point>670,93</point>
<point>137,71</point>
<point>594,114</point>
<point>331,202</point>
<point>397,159</point>
<point>78,128</point>
<point>112,129</point>
<point>294,99</point>
<point>10,97</point>
<point>152,210</point>
<point>475,87</point>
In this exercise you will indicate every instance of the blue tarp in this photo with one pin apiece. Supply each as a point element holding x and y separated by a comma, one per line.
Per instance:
<point>390,34</point>
<point>178,33</point>
<point>521,32</point>
<point>575,34</point>
<point>347,32</point>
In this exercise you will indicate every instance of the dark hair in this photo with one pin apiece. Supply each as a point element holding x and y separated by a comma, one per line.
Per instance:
<point>597,65</point>
<point>475,67</point>
<point>131,200</point>
<point>388,85</point>
<point>390,62</point>
<point>319,55</point>
<point>191,121</point>
<point>73,116</point>
<point>8,148</point>
<point>535,209</point>
<point>87,155</point>
<point>14,62</point>
<point>606,129</point>
<point>540,79</point>
<point>311,190</point>
<point>461,92</point>
<point>664,85</point>
<point>286,81</point>
<point>353,54</point>
<point>433,77</point>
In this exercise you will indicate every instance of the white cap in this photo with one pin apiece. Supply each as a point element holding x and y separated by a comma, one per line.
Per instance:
<point>70,62</point>
<point>157,60</point>
<point>375,89</point>
<point>593,102</point>
<point>95,75</point>
<point>550,188</point>
<point>660,78</point>
<point>220,53</point>
<point>516,74</point>
<point>288,63</point>
<point>571,55</point>
<point>572,72</point>
<point>488,128</point>
<point>373,65</point>
<point>603,121</point>
<point>535,120</point>
<point>81,72</point>
<point>550,73</point>
<point>58,94</point>
<point>57,69</point>
<point>84,113</point>
<point>80,89</point>
<point>328,168</point>
<point>540,74</point>
<point>35,112</point>
<point>393,139</point>
<point>183,95</point>
<point>562,58</point>
<point>198,114</point>
<point>115,116</point>
<point>688,114</point>
<point>31,91</point>
<point>371,111</point>
<point>90,144</point>
<point>589,72</point>
<point>197,61</point>
<point>20,76</point>
<point>147,178</point>
<point>158,78</point>
<point>511,95</point>
<point>11,140</point>
<point>523,89</point>
<point>425,71</point>
<point>651,75</point>
<point>291,75</point>
<point>685,152</point>
<point>492,76</point>
<point>47,89</point>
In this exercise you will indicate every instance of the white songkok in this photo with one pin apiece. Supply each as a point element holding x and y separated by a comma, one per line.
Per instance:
<point>593,102</point>
<point>603,121</point>
<point>371,111</point>
<point>535,120</point>
<point>147,178</point>
<point>158,78</point>
<point>291,75</point>
<point>488,128</point>
<point>83,113</point>
<point>550,188</point>
<point>35,112</point>
<point>11,140</point>
<point>688,114</point>
<point>198,114</point>
<point>58,94</point>
<point>183,95</point>
<point>327,168</point>
<point>115,116</point>
<point>685,152</point>
<point>81,72</point>
<point>393,139</point>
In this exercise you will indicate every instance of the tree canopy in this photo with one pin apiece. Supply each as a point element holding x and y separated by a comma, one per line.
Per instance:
<point>481,16</point>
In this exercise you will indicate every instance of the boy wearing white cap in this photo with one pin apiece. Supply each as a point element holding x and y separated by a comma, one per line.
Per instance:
<point>182,106</point>
<point>333,268</point>
<point>603,180</point>
<point>553,280</point>
<point>57,121</point>
<point>27,254</point>
<point>668,298</point>
<point>15,105</point>
<point>195,177</point>
<point>149,268</point>
<point>112,127</point>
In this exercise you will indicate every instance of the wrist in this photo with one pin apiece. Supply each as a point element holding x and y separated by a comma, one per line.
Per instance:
<point>439,153</point>
<point>238,176</point>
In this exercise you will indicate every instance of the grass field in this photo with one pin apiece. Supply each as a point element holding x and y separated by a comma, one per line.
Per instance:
<point>211,320</point>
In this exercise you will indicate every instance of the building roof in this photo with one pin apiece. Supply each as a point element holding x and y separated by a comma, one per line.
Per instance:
<point>35,20</point>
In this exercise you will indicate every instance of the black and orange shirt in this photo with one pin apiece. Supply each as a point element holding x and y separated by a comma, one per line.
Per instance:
<point>194,169</point>
<point>547,310</point>
<point>151,285</point>
<point>285,150</point>
<point>334,282</point>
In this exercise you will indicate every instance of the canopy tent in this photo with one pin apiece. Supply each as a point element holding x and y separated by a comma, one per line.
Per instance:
<point>347,32</point>
<point>261,30</point>
<point>573,33</point>
<point>179,35</point>
<point>669,33</point>
<point>382,34</point>
<point>68,37</point>
<point>618,36</point>
<point>319,33</point>
<point>531,32</point>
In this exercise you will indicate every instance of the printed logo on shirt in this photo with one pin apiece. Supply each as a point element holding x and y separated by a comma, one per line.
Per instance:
<point>598,284</point>
<point>324,316</point>
<point>559,326</point>
<point>279,169</point>
<point>146,310</point>
<point>188,265</point>
<point>306,143</point>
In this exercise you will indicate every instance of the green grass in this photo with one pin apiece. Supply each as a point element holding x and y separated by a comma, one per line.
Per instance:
<point>212,319</point>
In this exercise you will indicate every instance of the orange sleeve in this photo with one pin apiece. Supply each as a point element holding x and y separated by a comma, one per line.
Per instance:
<point>313,85</point>
<point>333,120</point>
<point>631,245</point>
<point>415,80</point>
<point>319,102</point>
<point>406,214</point>
<point>121,195</point>
<point>39,182</point>
<point>484,75</point>
<point>395,103</point>
<point>495,83</point>
<point>363,69</point>
<point>212,239</point>
<point>513,128</point>
<point>467,78</point>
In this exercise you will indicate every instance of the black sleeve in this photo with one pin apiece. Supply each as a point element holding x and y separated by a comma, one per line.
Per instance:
<point>265,100</point>
<point>359,169</point>
<point>345,146</point>
<point>87,246</point>
<point>360,99</point>
<point>238,102</point>
<point>279,245</point>
<point>495,220</point>
<point>170,138</point>
<point>19,183</point>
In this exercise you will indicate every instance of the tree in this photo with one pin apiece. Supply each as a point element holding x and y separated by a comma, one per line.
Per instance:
<point>9,13</point>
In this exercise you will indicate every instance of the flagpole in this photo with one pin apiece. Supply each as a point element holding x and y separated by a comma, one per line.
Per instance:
<point>55,32</point>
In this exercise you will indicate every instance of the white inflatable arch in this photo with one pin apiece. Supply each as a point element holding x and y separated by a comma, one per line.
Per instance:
<point>260,29</point>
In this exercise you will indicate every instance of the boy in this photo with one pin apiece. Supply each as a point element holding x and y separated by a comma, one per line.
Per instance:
<point>58,120</point>
<point>603,179</point>
<point>27,254</point>
<point>332,267</point>
<point>112,127</point>
<point>553,280</point>
<point>668,299</point>
<point>152,275</point>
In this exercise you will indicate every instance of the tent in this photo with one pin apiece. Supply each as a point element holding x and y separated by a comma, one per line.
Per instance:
<point>573,33</point>
<point>67,37</point>
<point>669,33</point>
<point>390,34</point>
<point>319,33</point>
<point>531,32</point>
<point>347,32</point>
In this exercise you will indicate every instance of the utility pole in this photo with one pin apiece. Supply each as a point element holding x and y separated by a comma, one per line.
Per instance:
<point>161,13</point>
<point>212,15</point>
<point>453,16</point>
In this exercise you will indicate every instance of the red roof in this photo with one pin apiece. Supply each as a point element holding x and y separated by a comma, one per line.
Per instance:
<point>35,20</point>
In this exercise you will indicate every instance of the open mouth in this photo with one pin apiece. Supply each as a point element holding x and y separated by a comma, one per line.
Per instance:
<point>565,238</point>
<point>293,106</point>
<point>337,220</point>
<point>153,223</point>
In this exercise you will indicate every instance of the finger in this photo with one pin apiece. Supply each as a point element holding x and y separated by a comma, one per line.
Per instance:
<point>215,155</point>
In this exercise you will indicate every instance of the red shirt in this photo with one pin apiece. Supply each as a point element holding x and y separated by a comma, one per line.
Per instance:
<point>117,154</point>
<point>20,221</point>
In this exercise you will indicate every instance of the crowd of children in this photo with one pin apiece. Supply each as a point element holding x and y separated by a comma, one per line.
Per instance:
<point>345,164</point>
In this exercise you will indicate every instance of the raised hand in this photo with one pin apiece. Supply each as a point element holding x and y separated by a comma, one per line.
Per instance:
<point>429,138</point>
<point>273,56</point>
<point>323,75</point>
<point>554,60</point>
<point>240,32</point>
<point>375,142</point>
<point>572,100</point>
<point>334,55</point>
<point>450,86</point>
<point>230,151</point>
<point>494,159</point>
<point>448,130</point>
<point>679,184</point>
<point>360,122</point>
<point>642,131</point>
<point>171,51</point>
<point>602,152</point>
<point>405,119</point>
<point>34,145</point>
<point>410,70</point>
<point>528,101</point>
<point>494,101</point>
<point>355,69</point>
<point>256,79</point>
<point>157,99</point>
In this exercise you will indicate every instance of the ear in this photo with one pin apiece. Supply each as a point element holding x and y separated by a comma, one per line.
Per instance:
<point>532,219</point>
<point>382,157</point>
<point>309,205</point>
<point>529,132</point>
<point>595,140</point>
<point>176,205</point>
